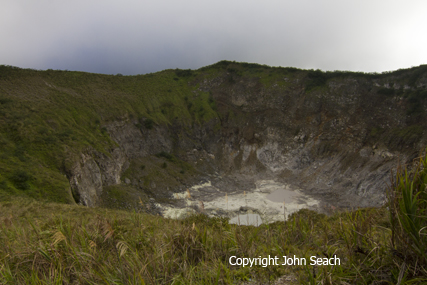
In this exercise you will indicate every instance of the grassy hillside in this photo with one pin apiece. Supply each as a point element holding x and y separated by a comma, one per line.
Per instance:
<point>48,117</point>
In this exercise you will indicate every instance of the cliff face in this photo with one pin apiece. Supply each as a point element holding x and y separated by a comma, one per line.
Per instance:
<point>94,171</point>
<point>337,142</point>
<point>324,140</point>
<point>334,135</point>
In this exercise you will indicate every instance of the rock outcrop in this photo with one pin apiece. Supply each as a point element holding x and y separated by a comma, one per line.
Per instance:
<point>92,172</point>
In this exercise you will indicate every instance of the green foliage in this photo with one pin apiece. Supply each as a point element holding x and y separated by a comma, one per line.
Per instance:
<point>408,215</point>
<point>415,101</point>
<point>166,155</point>
<point>416,74</point>
<point>399,138</point>
<point>4,101</point>
<point>149,123</point>
<point>376,132</point>
<point>254,66</point>
<point>219,65</point>
<point>289,69</point>
<point>183,72</point>
<point>20,179</point>
<point>316,78</point>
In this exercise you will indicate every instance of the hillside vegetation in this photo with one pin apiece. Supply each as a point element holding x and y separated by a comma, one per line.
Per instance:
<point>48,118</point>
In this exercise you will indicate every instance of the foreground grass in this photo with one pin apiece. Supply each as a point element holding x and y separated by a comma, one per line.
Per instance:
<point>47,243</point>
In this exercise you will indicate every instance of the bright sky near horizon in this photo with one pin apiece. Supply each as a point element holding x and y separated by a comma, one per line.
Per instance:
<point>140,36</point>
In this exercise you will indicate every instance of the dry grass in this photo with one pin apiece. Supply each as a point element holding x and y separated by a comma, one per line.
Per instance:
<point>45,243</point>
<point>48,243</point>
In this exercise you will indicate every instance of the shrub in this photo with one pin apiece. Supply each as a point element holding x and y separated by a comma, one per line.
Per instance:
<point>166,155</point>
<point>20,153</point>
<point>20,179</point>
<point>415,102</point>
<point>3,185</point>
<point>149,124</point>
<point>416,74</point>
<point>4,101</point>
<point>316,78</point>
<point>183,72</point>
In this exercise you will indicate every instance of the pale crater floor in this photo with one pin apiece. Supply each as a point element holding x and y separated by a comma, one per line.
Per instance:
<point>270,201</point>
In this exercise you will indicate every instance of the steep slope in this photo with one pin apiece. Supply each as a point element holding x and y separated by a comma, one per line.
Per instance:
<point>121,140</point>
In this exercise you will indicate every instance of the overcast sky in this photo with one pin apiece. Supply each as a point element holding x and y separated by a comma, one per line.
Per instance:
<point>140,36</point>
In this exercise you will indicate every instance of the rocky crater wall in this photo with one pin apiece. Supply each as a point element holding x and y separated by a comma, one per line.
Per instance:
<point>337,142</point>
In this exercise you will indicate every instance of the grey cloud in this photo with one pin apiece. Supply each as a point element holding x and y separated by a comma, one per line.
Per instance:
<point>132,37</point>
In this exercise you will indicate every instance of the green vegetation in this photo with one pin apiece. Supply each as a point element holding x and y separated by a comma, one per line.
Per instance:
<point>317,78</point>
<point>149,123</point>
<point>183,72</point>
<point>415,100</point>
<point>408,218</point>
<point>166,155</point>
<point>48,118</point>
<point>416,74</point>
<point>47,243</point>
<point>400,137</point>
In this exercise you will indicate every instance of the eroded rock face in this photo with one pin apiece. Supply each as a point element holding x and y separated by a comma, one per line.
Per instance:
<point>86,181</point>
<point>137,141</point>
<point>337,143</point>
<point>92,172</point>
